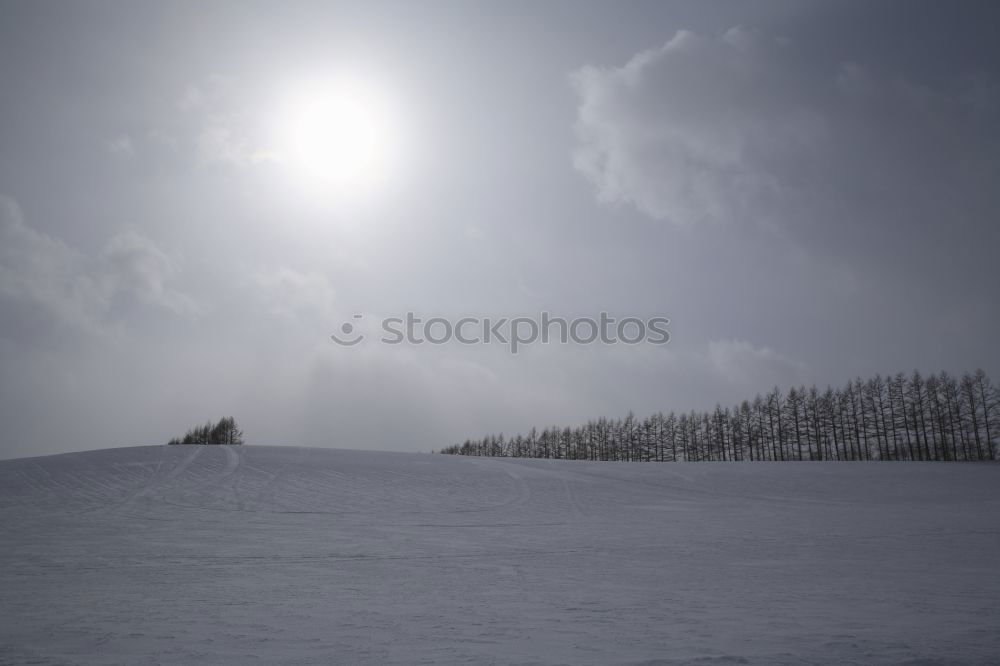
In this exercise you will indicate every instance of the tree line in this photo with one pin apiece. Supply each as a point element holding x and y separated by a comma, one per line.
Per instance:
<point>938,417</point>
<point>226,431</point>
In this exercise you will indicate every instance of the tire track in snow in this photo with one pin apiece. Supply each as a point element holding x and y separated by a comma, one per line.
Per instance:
<point>184,464</point>
<point>521,498</point>
<point>574,501</point>
<point>209,494</point>
<point>265,496</point>
<point>214,483</point>
<point>158,482</point>
<point>234,460</point>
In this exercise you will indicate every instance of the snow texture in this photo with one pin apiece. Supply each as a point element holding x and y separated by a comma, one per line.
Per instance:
<point>274,555</point>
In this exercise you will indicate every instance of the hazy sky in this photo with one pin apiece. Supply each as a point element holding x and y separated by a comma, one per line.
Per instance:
<point>808,190</point>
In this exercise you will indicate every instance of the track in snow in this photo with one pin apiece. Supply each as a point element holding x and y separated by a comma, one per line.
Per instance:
<point>181,555</point>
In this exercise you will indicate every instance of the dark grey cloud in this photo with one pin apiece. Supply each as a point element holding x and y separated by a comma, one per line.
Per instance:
<point>866,181</point>
<point>742,128</point>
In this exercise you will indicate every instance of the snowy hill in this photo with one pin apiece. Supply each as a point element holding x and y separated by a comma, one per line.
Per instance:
<point>230,555</point>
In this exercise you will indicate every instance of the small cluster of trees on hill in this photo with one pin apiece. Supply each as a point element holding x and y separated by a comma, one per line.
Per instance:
<point>224,432</point>
<point>939,417</point>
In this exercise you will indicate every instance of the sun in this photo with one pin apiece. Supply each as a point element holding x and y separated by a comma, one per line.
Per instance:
<point>338,134</point>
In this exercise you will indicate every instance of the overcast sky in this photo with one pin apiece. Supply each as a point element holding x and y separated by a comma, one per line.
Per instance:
<point>808,190</point>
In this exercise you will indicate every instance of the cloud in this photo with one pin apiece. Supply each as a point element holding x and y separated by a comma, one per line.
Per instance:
<point>222,141</point>
<point>135,271</point>
<point>162,139</point>
<point>121,147</point>
<point>221,124</point>
<point>295,295</point>
<point>742,364</point>
<point>744,127</point>
<point>192,98</point>
<point>219,143</point>
<point>46,282</point>
<point>42,279</point>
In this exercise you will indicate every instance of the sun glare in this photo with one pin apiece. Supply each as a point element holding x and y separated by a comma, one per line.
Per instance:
<point>338,135</point>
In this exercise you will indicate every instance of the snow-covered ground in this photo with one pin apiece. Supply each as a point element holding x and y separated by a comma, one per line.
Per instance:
<point>269,555</point>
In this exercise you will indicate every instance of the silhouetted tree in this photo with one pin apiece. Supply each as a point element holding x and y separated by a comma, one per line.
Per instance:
<point>225,431</point>
<point>896,417</point>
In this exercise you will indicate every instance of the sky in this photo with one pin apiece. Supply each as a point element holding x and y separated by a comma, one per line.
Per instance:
<point>195,196</point>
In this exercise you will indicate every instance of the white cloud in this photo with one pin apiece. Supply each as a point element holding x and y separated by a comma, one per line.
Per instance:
<point>191,99</point>
<point>223,141</point>
<point>222,123</point>
<point>219,143</point>
<point>296,295</point>
<point>135,269</point>
<point>742,128</point>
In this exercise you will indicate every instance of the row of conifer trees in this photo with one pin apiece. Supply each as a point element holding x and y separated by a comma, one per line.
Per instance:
<point>226,431</point>
<point>939,417</point>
